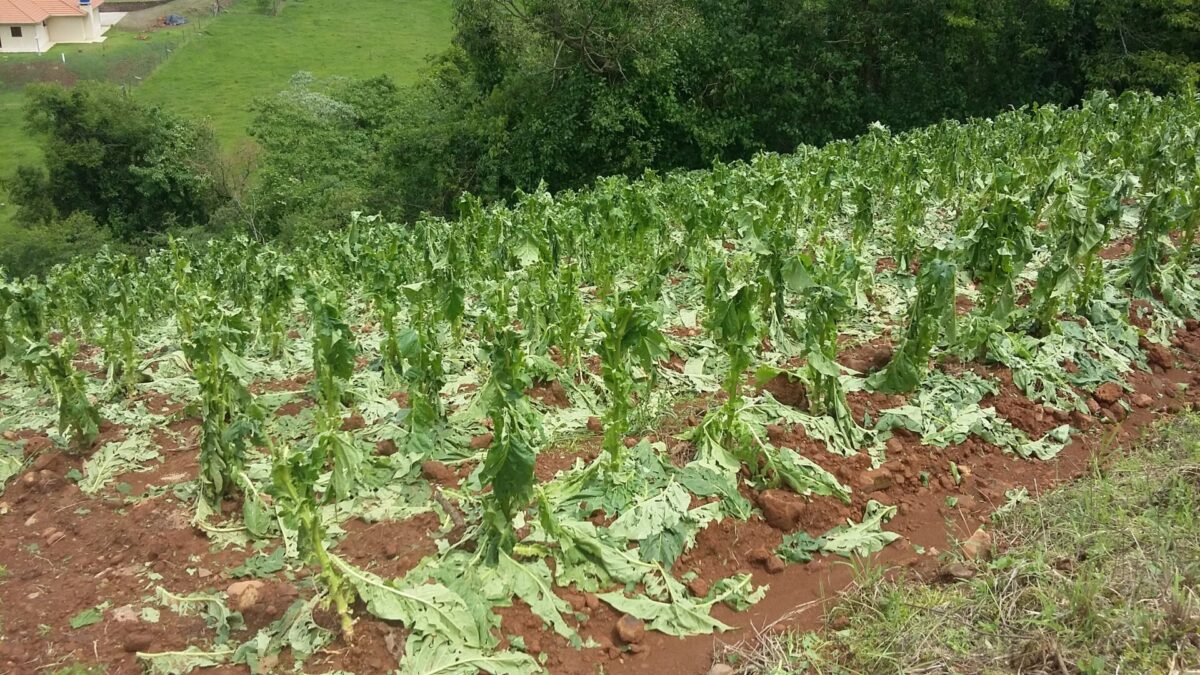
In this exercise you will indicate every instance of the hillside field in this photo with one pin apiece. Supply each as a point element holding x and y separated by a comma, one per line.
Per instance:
<point>587,432</point>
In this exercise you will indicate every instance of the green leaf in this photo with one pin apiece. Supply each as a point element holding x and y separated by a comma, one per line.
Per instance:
<point>798,547</point>
<point>861,539</point>
<point>531,582</point>
<point>179,663</point>
<point>434,656</point>
<point>89,616</point>
<point>430,609</point>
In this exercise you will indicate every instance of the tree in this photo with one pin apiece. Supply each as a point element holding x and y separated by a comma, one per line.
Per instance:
<point>136,169</point>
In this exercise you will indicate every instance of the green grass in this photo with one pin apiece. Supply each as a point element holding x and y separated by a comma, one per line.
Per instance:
<point>244,55</point>
<point>1099,577</point>
<point>216,67</point>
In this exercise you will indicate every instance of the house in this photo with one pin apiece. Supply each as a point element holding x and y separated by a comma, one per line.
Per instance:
<point>38,25</point>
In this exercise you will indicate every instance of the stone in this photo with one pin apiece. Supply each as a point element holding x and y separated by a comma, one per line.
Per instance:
<point>204,573</point>
<point>1108,393</point>
<point>594,425</point>
<point>481,441</point>
<point>699,587</point>
<point>957,572</point>
<point>245,594</point>
<point>895,447</point>
<point>780,512</point>
<point>54,537</point>
<point>721,669</point>
<point>978,546</point>
<point>1142,401</point>
<point>775,564</point>
<point>125,614</point>
<point>630,629</point>
<point>1093,407</point>
<point>437,472</point>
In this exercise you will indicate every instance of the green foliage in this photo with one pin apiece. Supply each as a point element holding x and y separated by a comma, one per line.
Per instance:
<point>930,316</point>
<point>134,168</point>
<point>630,339</point>
<point>508,467</point>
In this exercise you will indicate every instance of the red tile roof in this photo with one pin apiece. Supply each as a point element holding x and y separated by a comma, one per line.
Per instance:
<point>36,11</point>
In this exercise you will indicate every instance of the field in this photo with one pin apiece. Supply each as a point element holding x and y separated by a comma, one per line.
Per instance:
<point>216,67</point>
<point>586,433</point>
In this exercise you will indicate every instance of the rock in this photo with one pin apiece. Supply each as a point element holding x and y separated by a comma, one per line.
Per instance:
<point>779,512</point>
<point>630,629</point>
<point>139,641</point>
<point>978,546</point>
<point>957,572</point>
<point>203,573</point>
<point>32,520</point>
<point>1093,407</point>
<point>1108,393</point>
<point>1061,416</point>
<point>721,669</point>
<point>759,555</point>
<point>1142,401</point>
<point>54,537</point>
<point>481,441</point>
<point>594,425</point>
<point>775,564</point>
<point>876,481</point>
<point>437,472</point>
<point>245,594</point>
<point>125,614</point>
<point>699,587</point>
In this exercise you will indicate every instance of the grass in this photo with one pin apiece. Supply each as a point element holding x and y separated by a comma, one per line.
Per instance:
<point>214,68</point>
<point>1098,577</point>
<point>244,55</point>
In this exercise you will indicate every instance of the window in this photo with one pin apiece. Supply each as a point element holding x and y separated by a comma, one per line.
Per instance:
<point>16,31</point>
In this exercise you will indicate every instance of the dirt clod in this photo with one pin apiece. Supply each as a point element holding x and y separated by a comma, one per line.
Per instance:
<point>1108,393</point>
<point>779,511</point>
<point>137,642</point>
<point>1142,401</point>
<point>594,425</point>
<point>245,594</point>
<point>699,587</point>
<point>481,441</point>
<point>774,564</point>
<point>630,629</point>
<point>437,472</point>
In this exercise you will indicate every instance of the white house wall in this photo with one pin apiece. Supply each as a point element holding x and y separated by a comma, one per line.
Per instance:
<point>68,28</point>
<point>34,38</point>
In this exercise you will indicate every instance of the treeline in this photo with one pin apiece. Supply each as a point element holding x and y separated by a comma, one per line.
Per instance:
<point>562,91</point>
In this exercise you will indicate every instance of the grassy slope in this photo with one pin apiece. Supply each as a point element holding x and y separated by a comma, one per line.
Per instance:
<point>1098,577</point>
<point>245,55</point>
<point>215,68</point>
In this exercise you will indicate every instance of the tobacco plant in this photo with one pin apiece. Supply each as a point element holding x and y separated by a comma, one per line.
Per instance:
<point>508,468</point>
<point>630,339</point>
<point>333,353</point>
<point>930,318</point>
